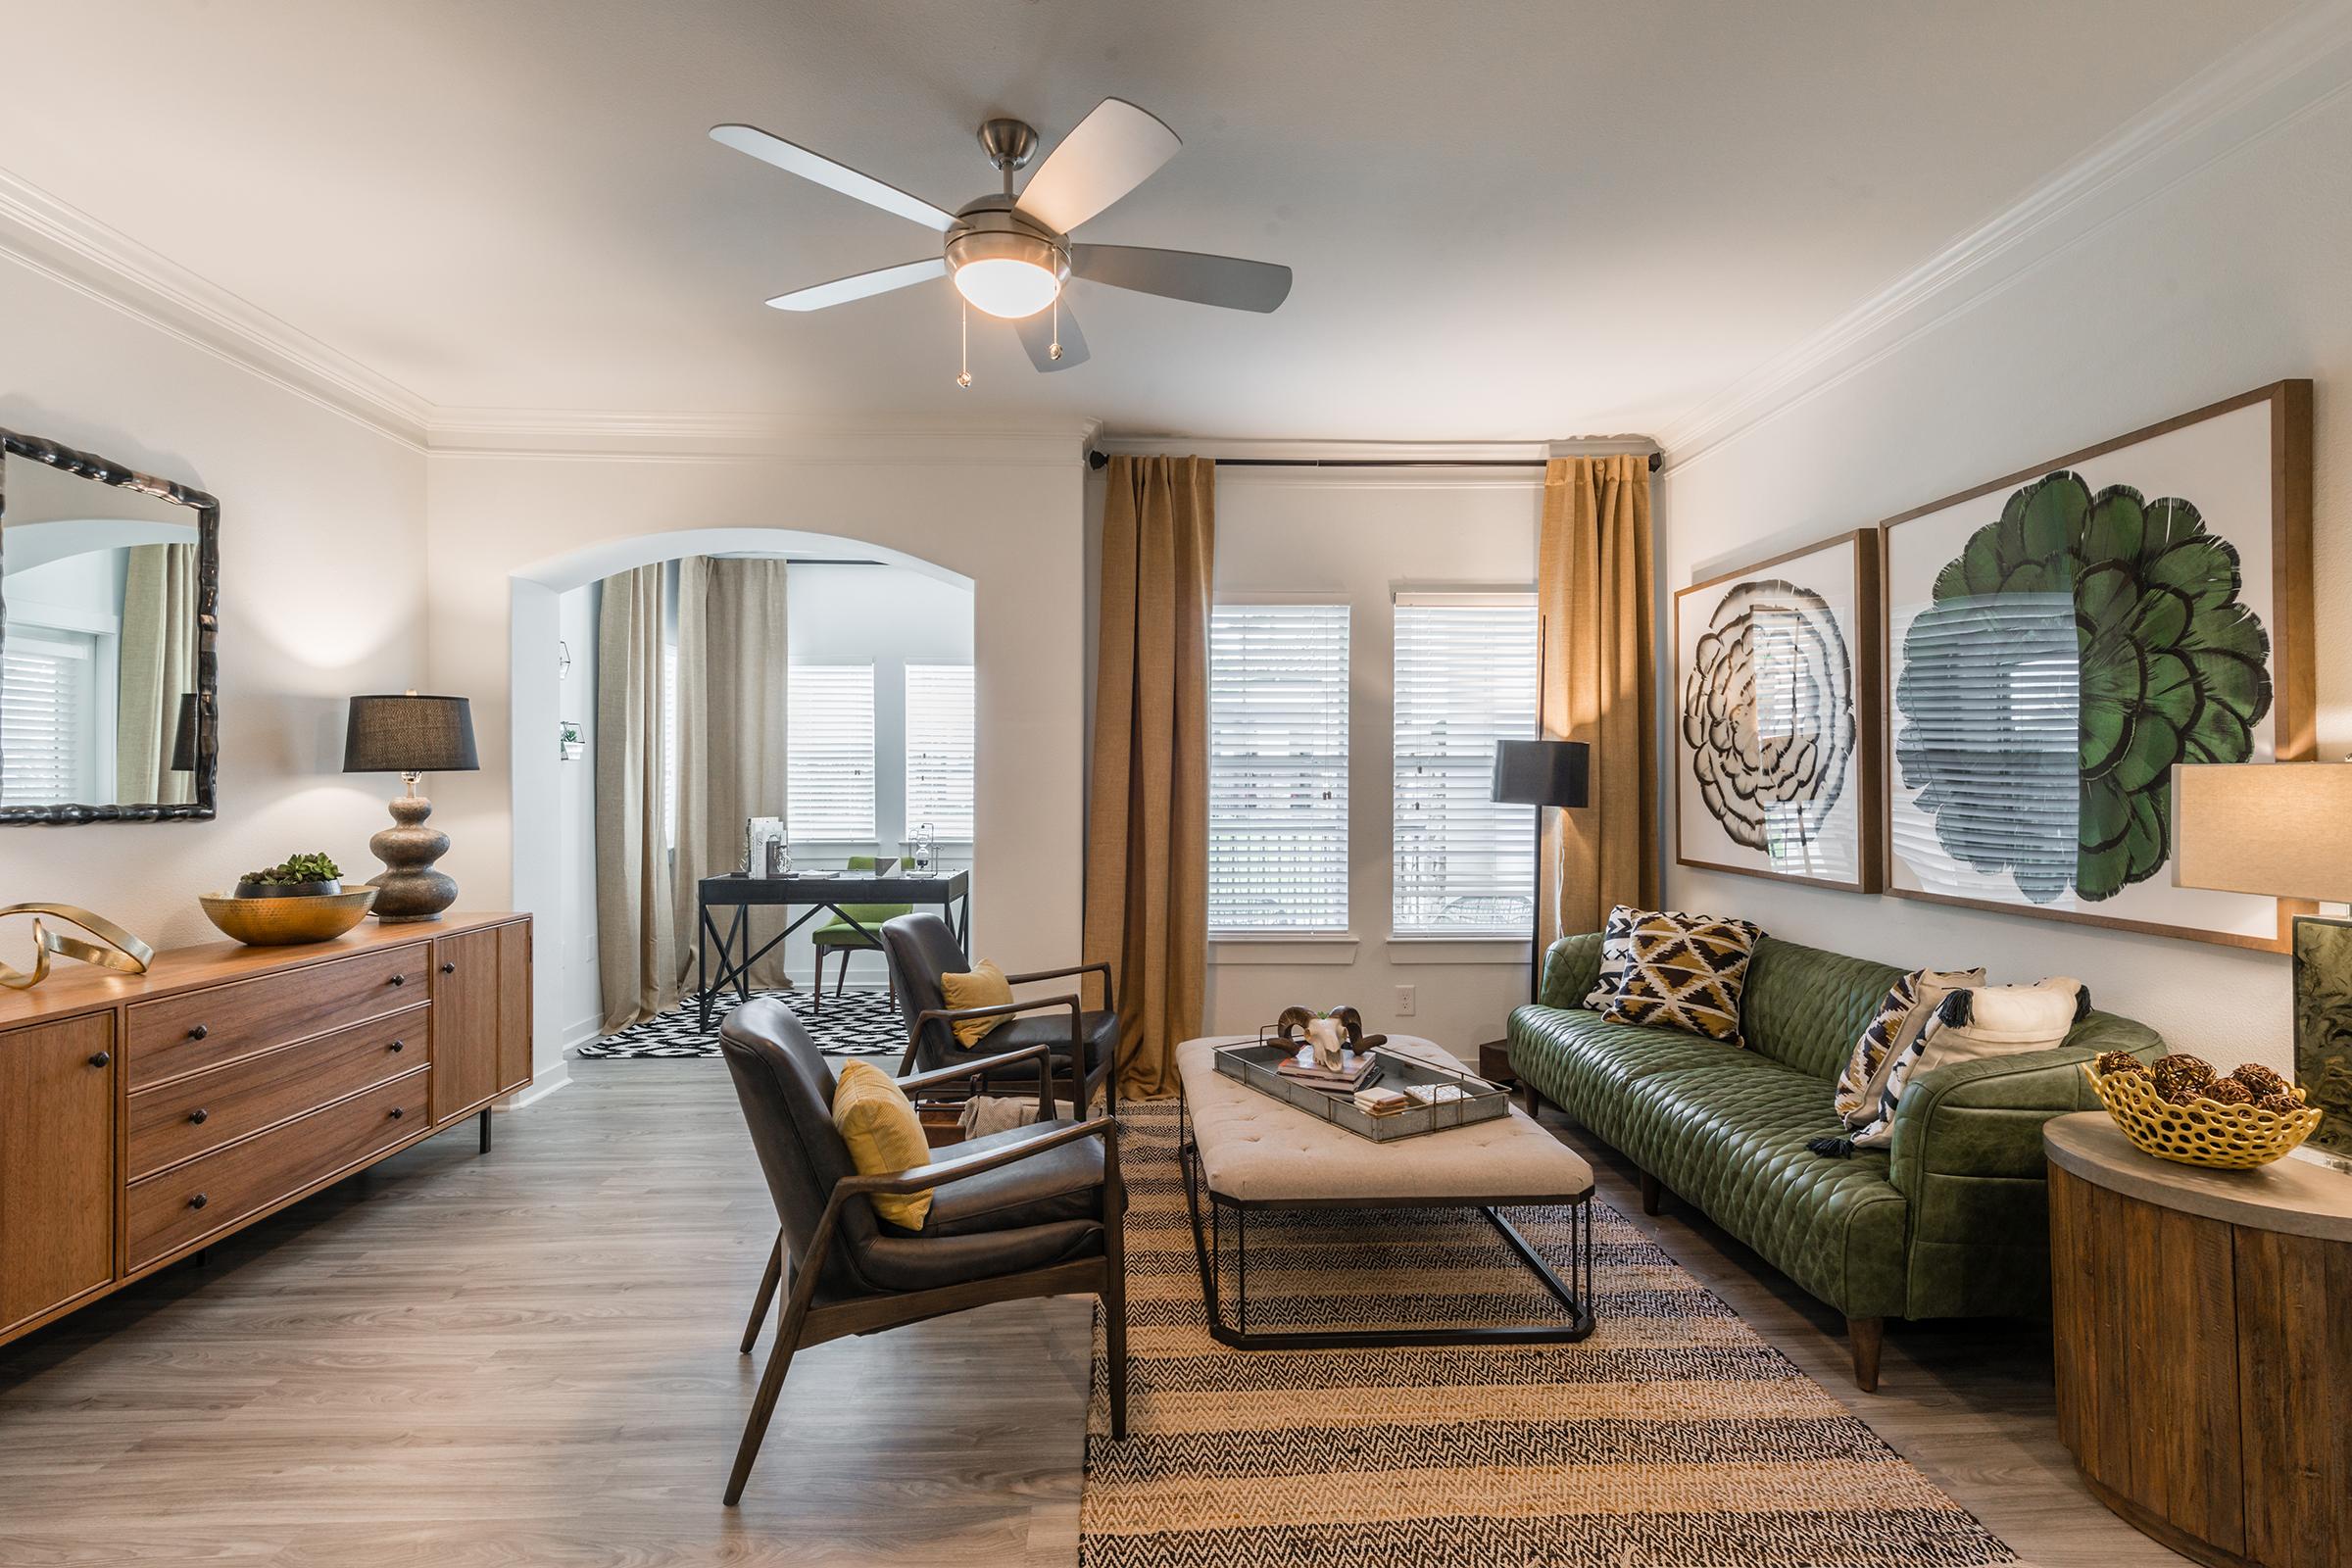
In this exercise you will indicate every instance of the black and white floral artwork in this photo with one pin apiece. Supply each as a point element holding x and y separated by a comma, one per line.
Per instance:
<point>1770,728</point>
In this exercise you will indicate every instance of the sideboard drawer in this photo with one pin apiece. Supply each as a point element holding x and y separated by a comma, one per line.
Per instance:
<point>195,1114</point>
<point>203,1029</point>
<point>181,1206</point>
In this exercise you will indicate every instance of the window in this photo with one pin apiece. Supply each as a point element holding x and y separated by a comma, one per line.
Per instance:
<point>939,749</point>
<point>48,702</point>
<point>1278,767</point>
<point>1465,679</point>
<point>829,767</point>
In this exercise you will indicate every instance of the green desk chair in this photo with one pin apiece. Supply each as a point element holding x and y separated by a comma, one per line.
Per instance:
<point>839,936</point>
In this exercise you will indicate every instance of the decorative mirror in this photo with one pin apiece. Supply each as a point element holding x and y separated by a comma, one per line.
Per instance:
<point>110,589</point>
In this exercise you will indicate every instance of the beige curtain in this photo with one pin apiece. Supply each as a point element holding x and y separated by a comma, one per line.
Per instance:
<point>1146,859</point>
<point>1592,589</point>
<point>636,939</point>
<point>734,660</point>
<point>157,666</point>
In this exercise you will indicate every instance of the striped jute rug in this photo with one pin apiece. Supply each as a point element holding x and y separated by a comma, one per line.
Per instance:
<point>1672,1437</point>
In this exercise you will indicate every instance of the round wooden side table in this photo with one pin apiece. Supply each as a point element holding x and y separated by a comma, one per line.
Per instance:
<point>2204,1346</point>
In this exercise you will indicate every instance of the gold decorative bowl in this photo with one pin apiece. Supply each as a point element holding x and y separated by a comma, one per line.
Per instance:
<point>2204,1132</point>
<point>282,922</point>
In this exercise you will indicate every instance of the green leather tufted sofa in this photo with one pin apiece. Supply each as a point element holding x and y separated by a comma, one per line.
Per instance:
<point>1952,1220</point>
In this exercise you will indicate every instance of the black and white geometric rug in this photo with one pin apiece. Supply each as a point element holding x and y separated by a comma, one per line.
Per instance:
<point>855,1023</point>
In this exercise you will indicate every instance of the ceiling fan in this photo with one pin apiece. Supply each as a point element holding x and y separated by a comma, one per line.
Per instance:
<point>1011,254</point>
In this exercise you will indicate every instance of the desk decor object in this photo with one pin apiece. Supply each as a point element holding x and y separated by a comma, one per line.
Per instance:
<point>2177,1108</point>
<point>115,948</point>
<point>2204,1351</point>
<point>2060,639</point>
<point>410,735</point>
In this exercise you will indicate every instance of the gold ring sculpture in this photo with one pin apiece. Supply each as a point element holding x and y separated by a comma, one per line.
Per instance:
<point>116,949</point>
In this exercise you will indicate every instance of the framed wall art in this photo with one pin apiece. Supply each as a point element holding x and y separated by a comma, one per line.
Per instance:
<point>2056,640</point>
<point>1777,717</point>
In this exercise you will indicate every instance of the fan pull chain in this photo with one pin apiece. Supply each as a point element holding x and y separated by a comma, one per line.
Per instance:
<point>1053,349</point>
<point>963,378</point>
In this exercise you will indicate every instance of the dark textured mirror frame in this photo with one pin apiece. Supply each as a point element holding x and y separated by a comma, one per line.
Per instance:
<point>208,627</point>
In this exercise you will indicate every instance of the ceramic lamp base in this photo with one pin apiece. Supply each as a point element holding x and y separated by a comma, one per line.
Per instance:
<point>411,890</point>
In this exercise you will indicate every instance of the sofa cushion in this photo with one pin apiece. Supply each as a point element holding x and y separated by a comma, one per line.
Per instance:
<point>1805,1008</point>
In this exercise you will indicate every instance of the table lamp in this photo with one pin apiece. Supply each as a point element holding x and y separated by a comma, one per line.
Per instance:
<point>2284,830</point>
<point>1541,774</point>
<point>410,735</point>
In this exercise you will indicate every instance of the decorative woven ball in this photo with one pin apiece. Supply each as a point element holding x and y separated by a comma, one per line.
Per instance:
<point>2180,1072</point>
<point>2281,1104</point>
<point>2227,1092</point>
<point>2119,1062</point>
<point>2261,1080</point>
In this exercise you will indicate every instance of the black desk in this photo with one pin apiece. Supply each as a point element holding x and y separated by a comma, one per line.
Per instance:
<point>951,891</point>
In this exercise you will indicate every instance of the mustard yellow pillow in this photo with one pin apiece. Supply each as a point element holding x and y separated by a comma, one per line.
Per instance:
<point>984,987</point>
<point>884,1136</point>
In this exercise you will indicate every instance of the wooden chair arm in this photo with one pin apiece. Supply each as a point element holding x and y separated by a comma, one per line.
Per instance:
<point>1110,994</point>
<point>1080,1053</point>
<point>987,1065</point>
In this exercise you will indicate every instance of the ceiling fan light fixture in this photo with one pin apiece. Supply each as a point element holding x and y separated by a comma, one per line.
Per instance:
<point>1006,272</point>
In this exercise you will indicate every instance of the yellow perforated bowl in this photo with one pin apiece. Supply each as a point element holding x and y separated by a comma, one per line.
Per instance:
<point>2204,1132</point>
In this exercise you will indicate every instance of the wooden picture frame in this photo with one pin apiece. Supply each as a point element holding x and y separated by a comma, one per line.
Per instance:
<point>1822,594</point>
<point>2244,473</point>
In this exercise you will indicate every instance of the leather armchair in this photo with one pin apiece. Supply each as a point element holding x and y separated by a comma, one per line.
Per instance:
<point>1036,1212</point>
<point>1083,1043</point>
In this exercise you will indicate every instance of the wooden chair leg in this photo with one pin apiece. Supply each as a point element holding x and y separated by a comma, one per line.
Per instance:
<point>771,1386</point>
<point>816,992</point>
<point>1114,1338</point>
<point>768,1293</point>
<point>1865,1335</point>
<point>1652,1194</point>
<point>841,977</point>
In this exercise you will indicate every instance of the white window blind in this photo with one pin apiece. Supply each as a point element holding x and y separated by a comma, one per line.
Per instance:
<point>1465,679</point>
<point>47,707</point>
<point>939,749</point>
<point>829,730</point>
<point>1278,767</point>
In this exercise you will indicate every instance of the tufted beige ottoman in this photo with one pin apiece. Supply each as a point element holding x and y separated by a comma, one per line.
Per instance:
<point>1244,1151</point>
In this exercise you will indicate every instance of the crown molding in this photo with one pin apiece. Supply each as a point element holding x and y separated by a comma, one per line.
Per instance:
<point>39,232</point>
<point>2275,76</point>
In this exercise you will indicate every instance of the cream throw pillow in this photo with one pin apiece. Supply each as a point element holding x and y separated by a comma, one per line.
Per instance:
<point>1975,1022</point>
<point>984,987</point>
<point>884,1136</point>
<point>1910,1001</point>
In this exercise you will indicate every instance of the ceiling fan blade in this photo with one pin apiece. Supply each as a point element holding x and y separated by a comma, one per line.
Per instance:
<point>1037,336</point>
<point>1110,153</point>
<point>1226,280</point>
<point>858,285</point>
<point>825,171</point>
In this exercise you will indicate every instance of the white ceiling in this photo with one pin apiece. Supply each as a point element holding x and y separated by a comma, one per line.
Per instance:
<point>1507,220</point>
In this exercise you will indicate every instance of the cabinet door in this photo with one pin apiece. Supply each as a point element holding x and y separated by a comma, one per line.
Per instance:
<point>57,1164</point>
<point>465,1017</point>
<point>515,1005</point>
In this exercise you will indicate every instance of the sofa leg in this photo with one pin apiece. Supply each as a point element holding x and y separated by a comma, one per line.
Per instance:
<point>1651,1194</point>
<point>1865,1335</point>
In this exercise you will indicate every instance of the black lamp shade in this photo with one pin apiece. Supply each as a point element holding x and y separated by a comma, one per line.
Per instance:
<point>183,737</point>
<point>1542,772</point>
<point>409,734</point>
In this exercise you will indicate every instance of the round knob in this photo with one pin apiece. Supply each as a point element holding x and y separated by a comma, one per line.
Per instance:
<point>199,1032</point>
<point>102,1058</point>
<point>400,1045</point>
<point>400,980</point>
<point>397,1113</point>
<point>198,1201</point>
<point>200,1115</point>
<point>448,968</point>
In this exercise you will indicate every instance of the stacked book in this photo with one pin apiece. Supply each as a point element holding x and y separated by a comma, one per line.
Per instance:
<point>1374,1100</point>
<point>1354,1067</point>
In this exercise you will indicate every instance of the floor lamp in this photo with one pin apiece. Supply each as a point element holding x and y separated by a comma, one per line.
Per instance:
<point>1541,774</point>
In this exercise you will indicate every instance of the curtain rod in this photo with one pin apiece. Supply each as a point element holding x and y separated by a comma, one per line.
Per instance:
<point>1097,461</point>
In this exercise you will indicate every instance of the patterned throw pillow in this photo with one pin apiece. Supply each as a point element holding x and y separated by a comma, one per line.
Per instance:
<point>1972,1022</point>
<point>1681,971</point>
<point>1900,1017</point>
<point>1616,956</point>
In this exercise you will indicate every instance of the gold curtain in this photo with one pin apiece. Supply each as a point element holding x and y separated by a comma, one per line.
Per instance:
<point>636,939</point>
<point>1147,860</point>
<point>733,659</point>
<point>156,667</point>
<point>1593,596</point>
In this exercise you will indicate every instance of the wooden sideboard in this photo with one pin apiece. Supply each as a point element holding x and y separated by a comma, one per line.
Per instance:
<point>143,1117</point>
<point>2204,1346</point>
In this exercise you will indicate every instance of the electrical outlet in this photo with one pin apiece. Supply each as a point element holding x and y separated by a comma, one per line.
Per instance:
<point>1405,1001</point>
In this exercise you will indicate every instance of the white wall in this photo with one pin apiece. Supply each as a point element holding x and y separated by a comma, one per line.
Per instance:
<point>321,596</point>
<point>2228,280</point>
<point>1004,514</point>
<point>569,943</point>
<point>1359,535</point>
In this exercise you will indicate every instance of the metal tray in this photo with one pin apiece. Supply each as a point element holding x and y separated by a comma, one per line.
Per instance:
<point>1255,1065</point>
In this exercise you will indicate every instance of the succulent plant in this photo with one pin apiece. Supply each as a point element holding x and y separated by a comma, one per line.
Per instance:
<point>298,868</point>
<point>2170,667</point>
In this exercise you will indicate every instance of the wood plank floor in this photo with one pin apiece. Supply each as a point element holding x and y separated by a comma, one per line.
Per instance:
<point>529,1358</point>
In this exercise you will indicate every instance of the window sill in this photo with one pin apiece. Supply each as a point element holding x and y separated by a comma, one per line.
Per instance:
<point>1281,948</point>
<point>1499,951</point>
